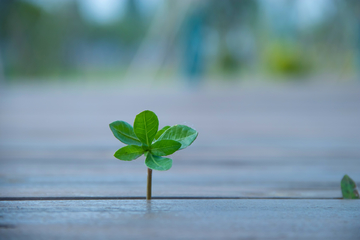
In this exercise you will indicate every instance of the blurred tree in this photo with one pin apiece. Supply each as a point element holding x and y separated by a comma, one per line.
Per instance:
<point>39,41</point>
<point>132,27</point>
<point>286,58</point>
<point>282,47</point>
<point>353,8</point>
<point>35,40</point>
<point>194,37</point>
<point>232,19</point>
<point>18,25</point>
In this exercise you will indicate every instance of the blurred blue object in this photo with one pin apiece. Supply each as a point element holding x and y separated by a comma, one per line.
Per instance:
<point>194,41</point>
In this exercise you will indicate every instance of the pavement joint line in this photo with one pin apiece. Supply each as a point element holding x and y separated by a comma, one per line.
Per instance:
<point>160,198</point>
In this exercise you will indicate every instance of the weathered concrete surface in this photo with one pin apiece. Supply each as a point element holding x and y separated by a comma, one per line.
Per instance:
<point>67,174</point>
<point>181,219</point>
<point>294,140</point>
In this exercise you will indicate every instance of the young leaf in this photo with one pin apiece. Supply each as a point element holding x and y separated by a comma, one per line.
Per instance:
<point>124,132</point>
<point>165,147</point>
<point>158,163</point>
<point>146,125</point>
<point>129,153</point>
<point>160,132</point>
<point>180,133</point>
<point>348,188</point>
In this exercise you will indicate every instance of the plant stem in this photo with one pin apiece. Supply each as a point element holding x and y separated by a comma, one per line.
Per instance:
<point>149,180</point>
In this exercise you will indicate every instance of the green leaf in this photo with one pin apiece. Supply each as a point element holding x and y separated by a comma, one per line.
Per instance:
<point>146,125</point>
<point>180,133</point>
<point>348,188</point>
<point>158,163</point>
<point>129,153</point>
<point>160,132</point>
<point>165,147</point>
<point>124,132</point>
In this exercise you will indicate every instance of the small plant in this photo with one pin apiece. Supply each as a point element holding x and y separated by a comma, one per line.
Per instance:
<point>348,188</point>
<point>144,138</point>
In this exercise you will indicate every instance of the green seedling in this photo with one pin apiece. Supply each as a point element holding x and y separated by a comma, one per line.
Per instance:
<point>144,138</point>
<point>348,188</point>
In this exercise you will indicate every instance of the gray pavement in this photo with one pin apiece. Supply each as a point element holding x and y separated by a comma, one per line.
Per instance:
<point>283,141</point>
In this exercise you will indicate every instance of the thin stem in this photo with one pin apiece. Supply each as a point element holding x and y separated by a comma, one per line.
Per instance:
<point>149,180</point>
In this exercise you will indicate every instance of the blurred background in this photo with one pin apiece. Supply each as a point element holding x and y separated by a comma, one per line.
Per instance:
<point>164,41</point>
<point>272,87</point>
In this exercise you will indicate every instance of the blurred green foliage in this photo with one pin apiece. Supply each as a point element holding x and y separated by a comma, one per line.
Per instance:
<point>287,59</point>
<point>229,38</point>
<point>35,42</point>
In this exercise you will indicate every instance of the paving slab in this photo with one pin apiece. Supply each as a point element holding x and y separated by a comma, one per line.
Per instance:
<point>286,147</point>
<point>103,175</point>
<point>272,141</point>
<point>180,219</point>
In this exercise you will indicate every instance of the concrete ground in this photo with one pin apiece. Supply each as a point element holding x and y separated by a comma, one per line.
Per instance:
<point>267,163</point>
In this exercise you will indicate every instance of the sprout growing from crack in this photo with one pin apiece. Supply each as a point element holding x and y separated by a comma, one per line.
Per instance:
<point>145,138</point>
